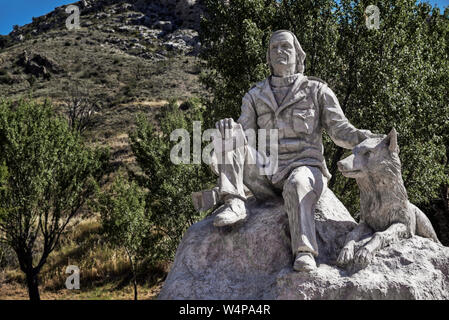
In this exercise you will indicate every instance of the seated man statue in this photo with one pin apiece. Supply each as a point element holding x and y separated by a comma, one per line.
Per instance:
<point>299,107</point>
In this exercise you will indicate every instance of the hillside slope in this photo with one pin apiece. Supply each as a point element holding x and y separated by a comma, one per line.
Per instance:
<point>127,57</point>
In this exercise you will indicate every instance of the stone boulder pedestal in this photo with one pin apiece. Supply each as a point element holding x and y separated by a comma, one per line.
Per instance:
<point>253,260</point>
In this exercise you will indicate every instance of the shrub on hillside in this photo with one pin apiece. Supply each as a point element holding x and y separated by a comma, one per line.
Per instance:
<point>169,185</point>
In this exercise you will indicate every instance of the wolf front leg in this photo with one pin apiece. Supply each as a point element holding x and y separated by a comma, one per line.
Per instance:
<point>347,253</point>
<point>380,240</point>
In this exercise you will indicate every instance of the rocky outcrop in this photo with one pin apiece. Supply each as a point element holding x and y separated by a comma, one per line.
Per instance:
<point>189,12</point>
<point>135,27</point>
<point>182,13</point>
<point>183,40</point>
<point>253,261</point>
<point>38,64</point>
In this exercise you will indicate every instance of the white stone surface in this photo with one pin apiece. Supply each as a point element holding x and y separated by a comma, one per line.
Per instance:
<point>415,268</point>
<point>253,260</point>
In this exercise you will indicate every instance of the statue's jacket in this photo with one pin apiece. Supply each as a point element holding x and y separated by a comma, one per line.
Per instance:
<point>309,107</point>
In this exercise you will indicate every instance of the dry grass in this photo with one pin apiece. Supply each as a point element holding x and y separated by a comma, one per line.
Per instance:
<point>147,103</point>
<point>105,272</point>
<point>17,291</point>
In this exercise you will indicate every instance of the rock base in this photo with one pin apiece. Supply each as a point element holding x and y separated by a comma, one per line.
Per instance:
<point>253,260</point>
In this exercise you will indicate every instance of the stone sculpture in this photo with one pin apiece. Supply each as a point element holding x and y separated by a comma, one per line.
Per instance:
<point>384,205</point>
<point>299,107</point>
<point>217,260</point>
<point>253,261</point>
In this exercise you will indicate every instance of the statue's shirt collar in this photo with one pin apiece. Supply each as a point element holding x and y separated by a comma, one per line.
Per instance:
<point>294,94</point>
<point>284,81</point>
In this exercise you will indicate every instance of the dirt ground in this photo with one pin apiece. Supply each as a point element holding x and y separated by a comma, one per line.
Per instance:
<point>16,291</point>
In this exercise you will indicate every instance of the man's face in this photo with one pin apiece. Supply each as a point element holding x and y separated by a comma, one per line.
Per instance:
<point>282,49</point>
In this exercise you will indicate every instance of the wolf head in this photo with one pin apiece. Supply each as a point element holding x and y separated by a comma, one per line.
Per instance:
<point>373,157</point>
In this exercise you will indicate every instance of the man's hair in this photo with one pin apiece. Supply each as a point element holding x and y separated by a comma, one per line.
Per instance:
<point>300,54</point>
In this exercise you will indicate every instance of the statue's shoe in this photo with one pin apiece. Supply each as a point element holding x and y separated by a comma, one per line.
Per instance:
<point>304,262</point>
<point>233,211</point>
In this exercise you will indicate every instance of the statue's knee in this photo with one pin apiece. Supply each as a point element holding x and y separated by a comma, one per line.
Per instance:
<point>300,181</point>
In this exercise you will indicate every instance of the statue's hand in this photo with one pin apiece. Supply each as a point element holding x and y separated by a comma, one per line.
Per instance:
<point>232,135</point>
<point>229,128</point>
<point>346,255</point>
<point>225,127</point>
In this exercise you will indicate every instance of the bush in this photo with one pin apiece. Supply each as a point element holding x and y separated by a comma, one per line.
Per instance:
<point>6,78</point>
<point>125,222</point>
<point>169,186</point>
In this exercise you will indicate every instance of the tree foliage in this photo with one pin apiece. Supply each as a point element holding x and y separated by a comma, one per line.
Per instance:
<point>396,76</point>
<point>50,174</point>
<point>169,185</point>
<point>125,221</point>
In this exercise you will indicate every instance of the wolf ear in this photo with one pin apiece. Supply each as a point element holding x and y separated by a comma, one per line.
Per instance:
<point>392,141</point>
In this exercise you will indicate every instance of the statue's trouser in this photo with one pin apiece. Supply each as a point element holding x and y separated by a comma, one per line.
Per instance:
<point>301,191</point>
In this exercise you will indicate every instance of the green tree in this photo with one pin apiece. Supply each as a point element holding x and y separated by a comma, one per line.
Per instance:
<point>50,174</point>
<point>395,76</point>
<point>169,185</point>
<point>3,179</point>
<point>125,221</point>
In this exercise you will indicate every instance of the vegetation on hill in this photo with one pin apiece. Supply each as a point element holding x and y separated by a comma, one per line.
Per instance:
<point>115,67</point>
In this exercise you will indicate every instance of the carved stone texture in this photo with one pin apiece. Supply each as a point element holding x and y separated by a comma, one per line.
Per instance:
<point>384,204</point>
<point>414,268</point>
<point>253,260</point>
<point>243,261</point>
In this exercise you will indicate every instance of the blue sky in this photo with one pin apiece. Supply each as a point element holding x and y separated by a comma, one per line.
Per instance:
<point>21,11</point>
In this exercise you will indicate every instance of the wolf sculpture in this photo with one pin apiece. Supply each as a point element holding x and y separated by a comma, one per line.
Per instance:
<point>384,206</point>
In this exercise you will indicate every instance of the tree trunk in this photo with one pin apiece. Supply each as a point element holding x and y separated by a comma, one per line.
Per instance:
<point>133,267</point>
<point>33,286</point>
<point>446,199</point>
<point>135,287</point>
<point>25,258</point>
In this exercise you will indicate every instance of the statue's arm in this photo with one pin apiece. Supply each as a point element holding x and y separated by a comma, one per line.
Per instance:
<point>343,133</point>
<point>248,117</point>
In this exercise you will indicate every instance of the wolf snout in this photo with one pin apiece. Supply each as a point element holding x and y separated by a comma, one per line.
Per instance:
<point>346,166</point>
<point>343,165</point>
<point>340,165</point>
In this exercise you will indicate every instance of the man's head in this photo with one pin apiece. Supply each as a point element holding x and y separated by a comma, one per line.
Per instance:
<point>283,50</point>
